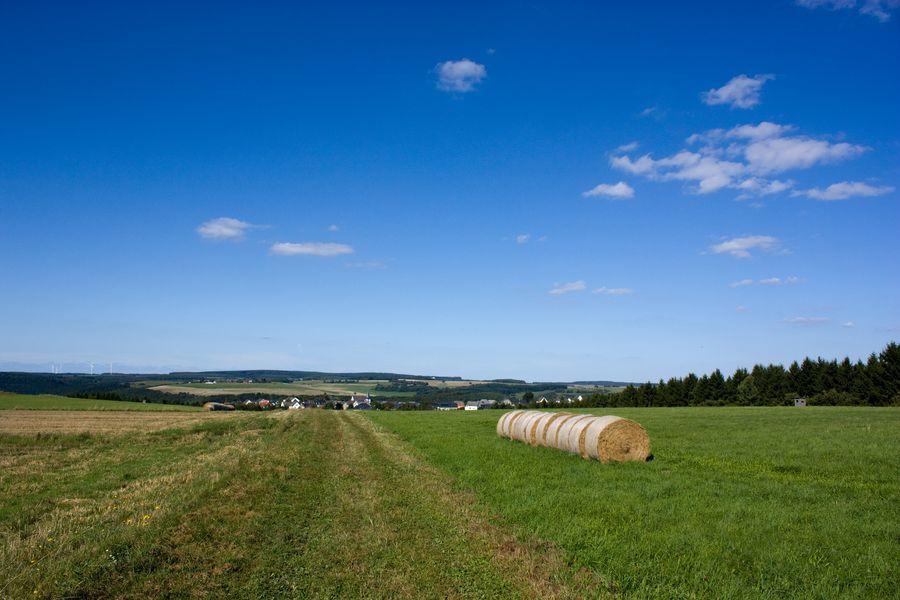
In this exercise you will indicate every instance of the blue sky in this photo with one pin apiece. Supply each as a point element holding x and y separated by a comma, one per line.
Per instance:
<point>590,191</point>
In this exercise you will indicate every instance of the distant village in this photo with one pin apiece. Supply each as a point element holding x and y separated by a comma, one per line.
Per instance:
<point>366,402</point>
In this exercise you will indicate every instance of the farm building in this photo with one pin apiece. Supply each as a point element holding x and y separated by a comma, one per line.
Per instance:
<point>294,404</point>
<point>799,401</point>
<point>445,406</point>
<point>217,406</point>
<point>472,405</point>
<point>265,404</point>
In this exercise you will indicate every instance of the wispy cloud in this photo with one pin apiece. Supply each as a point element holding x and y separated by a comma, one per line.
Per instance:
<point>459,75</point>
<point>741,247</point>
<point>629,147</point>
<point>224,229</point>
<point>741,308</point>
<point>568,288</point>
<point>606,291</point>
<point>653,111</point>
<point>310,249</point>
<point>741,283</point>
<point>770,281</point>
<point>807,320</point>
<point>880,9</point>
<point>844,190</point>
<point>619,190</point>
<point>333,228</point>
<point>740,92</point>
<point>523,238</point>
<point>367,264</point>
<point>849,324</point>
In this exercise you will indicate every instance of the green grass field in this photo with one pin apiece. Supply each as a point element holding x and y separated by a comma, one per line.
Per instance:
<point>738,503</point>
<point>47,402</point>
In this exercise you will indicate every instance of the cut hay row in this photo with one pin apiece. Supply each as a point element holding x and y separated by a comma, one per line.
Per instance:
<point>606,438</point>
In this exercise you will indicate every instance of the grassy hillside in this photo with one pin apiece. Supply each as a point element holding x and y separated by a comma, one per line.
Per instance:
<point>771,502</point>
<point>47,402</point>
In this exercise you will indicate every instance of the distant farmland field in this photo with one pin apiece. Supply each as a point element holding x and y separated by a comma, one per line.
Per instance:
<point>48,402</point>
<point>299,388</point>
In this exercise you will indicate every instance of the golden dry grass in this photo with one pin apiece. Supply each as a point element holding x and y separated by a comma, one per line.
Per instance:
<point>29,422</point>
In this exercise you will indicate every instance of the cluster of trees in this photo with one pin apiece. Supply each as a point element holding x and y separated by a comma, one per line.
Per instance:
<point>875,382</point>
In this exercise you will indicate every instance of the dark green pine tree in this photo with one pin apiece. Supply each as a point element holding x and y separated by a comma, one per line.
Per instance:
<point>717,388</point>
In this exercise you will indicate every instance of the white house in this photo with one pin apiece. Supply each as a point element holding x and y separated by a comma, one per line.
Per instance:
<point>473,405</point>
<point>295,404</point>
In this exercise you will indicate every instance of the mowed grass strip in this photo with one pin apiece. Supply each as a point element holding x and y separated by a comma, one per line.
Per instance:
<point>755,502</point>
<point>50,402</point>
<point>315,504</point>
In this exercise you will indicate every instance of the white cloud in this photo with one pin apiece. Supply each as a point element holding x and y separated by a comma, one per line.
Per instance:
<point>566,288</point>
<point>741,308</point>
<point>880,9</point>
<point>807,320</point>
<point>613,291</point>
<point>763,130</point>
<point>741,92</point>
<point>523,238</point>
<point>742,158</point>
<point>333,228</point>
<point>710,172</point>
<point>629,147</point>
<point>844,190</point>
<point>755,186</point>
<point>740,247</point>
<point>849,324</point>
<point>774,155</point>
<point>612,190</point>
<point>459,75</point>
<point>224,228</point>
<point>310,249</point>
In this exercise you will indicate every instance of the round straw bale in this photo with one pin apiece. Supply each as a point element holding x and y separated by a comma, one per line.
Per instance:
<point>511,422</point>
<point>614,439</point>
<point>545,426</point>
<point>501,431</point>
<point>562,431</point>
<point>536,427</point>
<point>551,438</point>
<point>515,425</point>
<point>568,437</point>
<point>573,435</point>
<point>523,426</point>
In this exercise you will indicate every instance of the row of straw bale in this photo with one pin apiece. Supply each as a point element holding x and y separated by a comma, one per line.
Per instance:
<point>603,438</point>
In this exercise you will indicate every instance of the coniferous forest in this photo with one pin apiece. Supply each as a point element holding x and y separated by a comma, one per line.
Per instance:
<point>875,382</point>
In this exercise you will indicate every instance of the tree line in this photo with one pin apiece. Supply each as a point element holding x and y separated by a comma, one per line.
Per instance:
<point>875,382</point>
